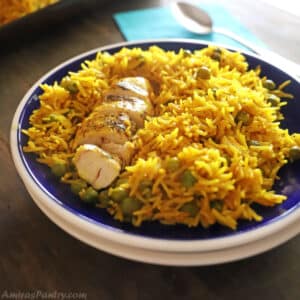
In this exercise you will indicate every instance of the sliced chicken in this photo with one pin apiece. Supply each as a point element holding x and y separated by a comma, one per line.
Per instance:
<point>96,166</point>
<point>132,95</point>
<point>135,108</point>
<point>100,127</point>
<point>102,142</point>
<point>123,151</point>
<point>132,86</point>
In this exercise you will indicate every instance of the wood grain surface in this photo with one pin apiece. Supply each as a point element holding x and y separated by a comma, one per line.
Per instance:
<point>36,255</point>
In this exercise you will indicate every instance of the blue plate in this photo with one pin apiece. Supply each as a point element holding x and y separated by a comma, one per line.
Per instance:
<point>60,193</point>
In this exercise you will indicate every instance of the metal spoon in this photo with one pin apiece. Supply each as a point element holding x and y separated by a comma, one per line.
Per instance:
<point>198,21</point>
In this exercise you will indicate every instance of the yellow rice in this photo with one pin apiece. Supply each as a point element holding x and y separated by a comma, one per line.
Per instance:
<point>11,10</point>
<point>195,120</point>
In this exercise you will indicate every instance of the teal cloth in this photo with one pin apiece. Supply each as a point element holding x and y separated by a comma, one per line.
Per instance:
<point>158,22</point>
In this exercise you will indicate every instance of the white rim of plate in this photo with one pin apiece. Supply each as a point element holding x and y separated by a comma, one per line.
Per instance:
<point>172,258</point>
<point>118,236</point>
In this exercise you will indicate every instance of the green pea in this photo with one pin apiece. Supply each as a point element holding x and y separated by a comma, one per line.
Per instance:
<point>140,60</point>
<point>269,84</point>
<point>146,183</point>
<point>129,205</point>
<point>188,179</point>
<point>273,100</point>
<point>59,169</point>
<point>103,198</point>
<point>118,193</point>
<point>294,153</point>
<point>243,117</point>
<point>147,192</point>
<point>121,181</point>
<point>90,195</point>
<point>218,50</point>
<point>216,55</point>
<point>216,204</point>
<point>191,208</point>
<point>253,143</point>
<point>77,186</point>
<point>203,73</point>
<point>145,187</point>
<point>172,164</point>
<point>54,117</point>
<point>68,84</point>
<point>187,53</point>
<point>214,91</point>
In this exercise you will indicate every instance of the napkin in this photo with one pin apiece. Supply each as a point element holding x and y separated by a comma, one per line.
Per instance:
<point>158,22</point>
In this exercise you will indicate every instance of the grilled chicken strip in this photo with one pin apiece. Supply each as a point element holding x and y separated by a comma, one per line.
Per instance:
<point>110,127</point>
<point>134,92</point>
<point>140,86</point>
<point>96,166</point>
<point>122,151</point>
<point>100,127</point>
<point>135,108</point>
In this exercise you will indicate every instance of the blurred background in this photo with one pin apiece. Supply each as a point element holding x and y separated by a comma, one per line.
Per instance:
<point>34,252</point>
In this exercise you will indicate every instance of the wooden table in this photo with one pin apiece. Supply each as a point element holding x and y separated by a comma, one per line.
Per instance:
<point>37,255</point>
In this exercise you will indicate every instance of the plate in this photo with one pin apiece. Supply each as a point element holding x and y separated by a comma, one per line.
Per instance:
<point>169,258</point>
<point>154,236</point>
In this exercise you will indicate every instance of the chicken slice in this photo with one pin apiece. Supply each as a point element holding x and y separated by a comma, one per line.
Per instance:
<point>138,85</point>
<point>96,166</point>
<point>135,108</point>
<point>99,128</point>
<point>102,142</point>
<point>131,89</point>
<point>123,151</point>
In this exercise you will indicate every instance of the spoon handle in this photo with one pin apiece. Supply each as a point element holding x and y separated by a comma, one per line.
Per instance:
<point>276,59</point>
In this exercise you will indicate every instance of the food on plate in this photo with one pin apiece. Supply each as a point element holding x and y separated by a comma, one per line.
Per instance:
<point>106,133</point>
<point>96,166</point>
<point>15,9</point>
<point>187,137</point>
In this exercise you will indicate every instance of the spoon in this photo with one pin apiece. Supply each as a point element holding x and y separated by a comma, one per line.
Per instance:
<point>198,21</point>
